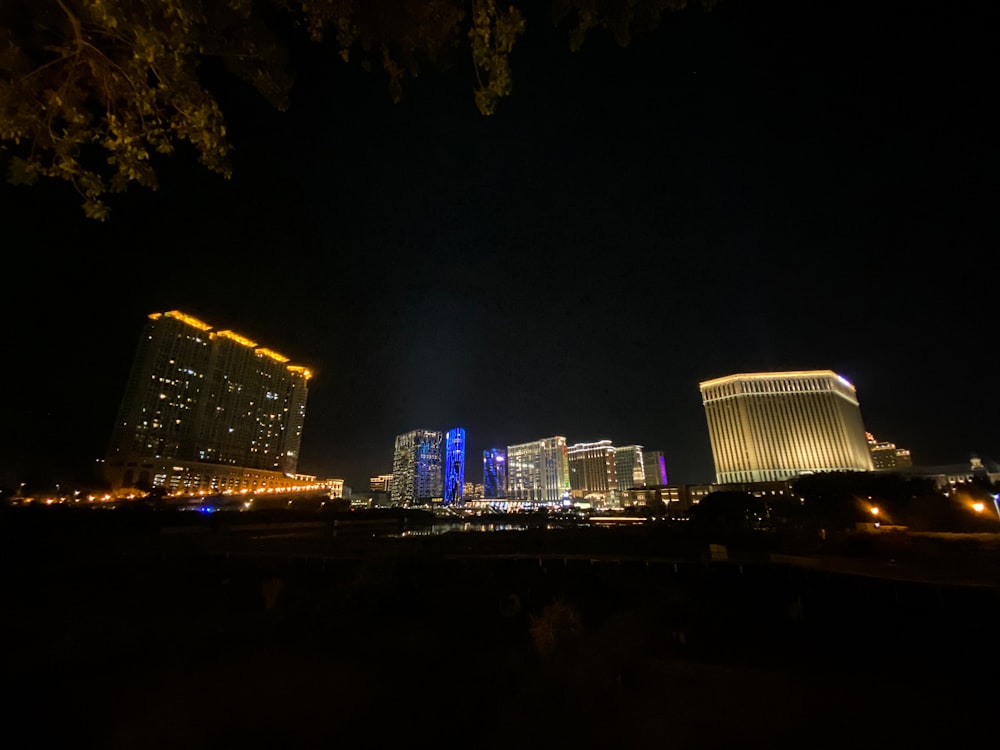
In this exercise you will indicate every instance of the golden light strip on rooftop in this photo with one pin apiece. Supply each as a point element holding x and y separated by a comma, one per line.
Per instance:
<point>773,376</point>
<point>178,315</point>
<point>272,354</point>
<point>233,336</point>
<point>237,338</point>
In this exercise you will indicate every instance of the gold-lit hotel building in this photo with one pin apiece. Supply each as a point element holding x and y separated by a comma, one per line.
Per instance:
<point>773,426</point>
<point>207,411</point>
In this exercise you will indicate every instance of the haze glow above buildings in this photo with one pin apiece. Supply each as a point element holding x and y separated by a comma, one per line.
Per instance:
<point>731,194</point>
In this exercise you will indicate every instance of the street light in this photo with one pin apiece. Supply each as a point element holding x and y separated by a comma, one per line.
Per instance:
<point>979,506</point>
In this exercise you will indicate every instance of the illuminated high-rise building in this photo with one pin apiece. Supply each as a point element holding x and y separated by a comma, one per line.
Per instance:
<point>773,426</point>
<point>538,472</point>
<point>886,456</point>
<point>380,483</point>
<point>629,467</point>
<point>655,468</point>
<point>206,410</point>
<point>495,473</point>
<point>417,466</point>
<point>454,466</point>
<point>592,469</point>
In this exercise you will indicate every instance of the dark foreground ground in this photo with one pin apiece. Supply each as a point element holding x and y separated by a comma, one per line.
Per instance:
<point>120,639</point>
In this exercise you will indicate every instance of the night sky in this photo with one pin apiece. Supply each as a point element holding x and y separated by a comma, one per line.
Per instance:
<point>768,186</point>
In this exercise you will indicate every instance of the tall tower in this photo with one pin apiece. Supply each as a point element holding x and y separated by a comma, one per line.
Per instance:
<point>629,467</point>
<point>773,426</point>
<point>495,473</point>
<point>454,475</point>
<point>538,472</point>
<point>655,468</point>
<point>592,469</point>
<point>206,410</point>
<point>417,467</point>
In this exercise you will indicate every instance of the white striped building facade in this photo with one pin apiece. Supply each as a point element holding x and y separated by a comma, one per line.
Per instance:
<point>773,426</point>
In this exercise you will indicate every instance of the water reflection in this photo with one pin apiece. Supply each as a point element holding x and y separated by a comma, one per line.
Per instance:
<point>441,528</point>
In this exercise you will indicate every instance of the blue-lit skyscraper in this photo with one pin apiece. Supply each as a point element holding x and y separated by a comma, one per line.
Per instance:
<point>416,468</point>
<point>454,466</point>
<point>495,473</point>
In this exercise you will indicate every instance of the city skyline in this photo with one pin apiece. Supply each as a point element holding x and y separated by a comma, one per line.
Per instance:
<point>763,426</point>
<point>355,484</point>
<point>762,187</point>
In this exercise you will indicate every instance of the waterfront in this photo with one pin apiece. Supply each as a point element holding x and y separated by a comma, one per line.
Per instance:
<point>213,638</point>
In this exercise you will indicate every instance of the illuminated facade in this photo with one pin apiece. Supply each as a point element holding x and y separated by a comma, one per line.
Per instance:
<point>629,467</point>
<point>495,473</point>
<point>538,472</point>
<point>417,466</point>
<point>381,483</point>
<point>206,410</point>
<point>772,426</point>
<point>592,470</point>
<point>886,456</point>
<point>454,466</point>
<point>655,468</point>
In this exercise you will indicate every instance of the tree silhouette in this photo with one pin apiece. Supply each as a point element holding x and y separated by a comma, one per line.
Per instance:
<point>93,91</point>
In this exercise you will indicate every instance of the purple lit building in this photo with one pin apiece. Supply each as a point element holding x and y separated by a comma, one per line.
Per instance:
<point>656,469</point>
